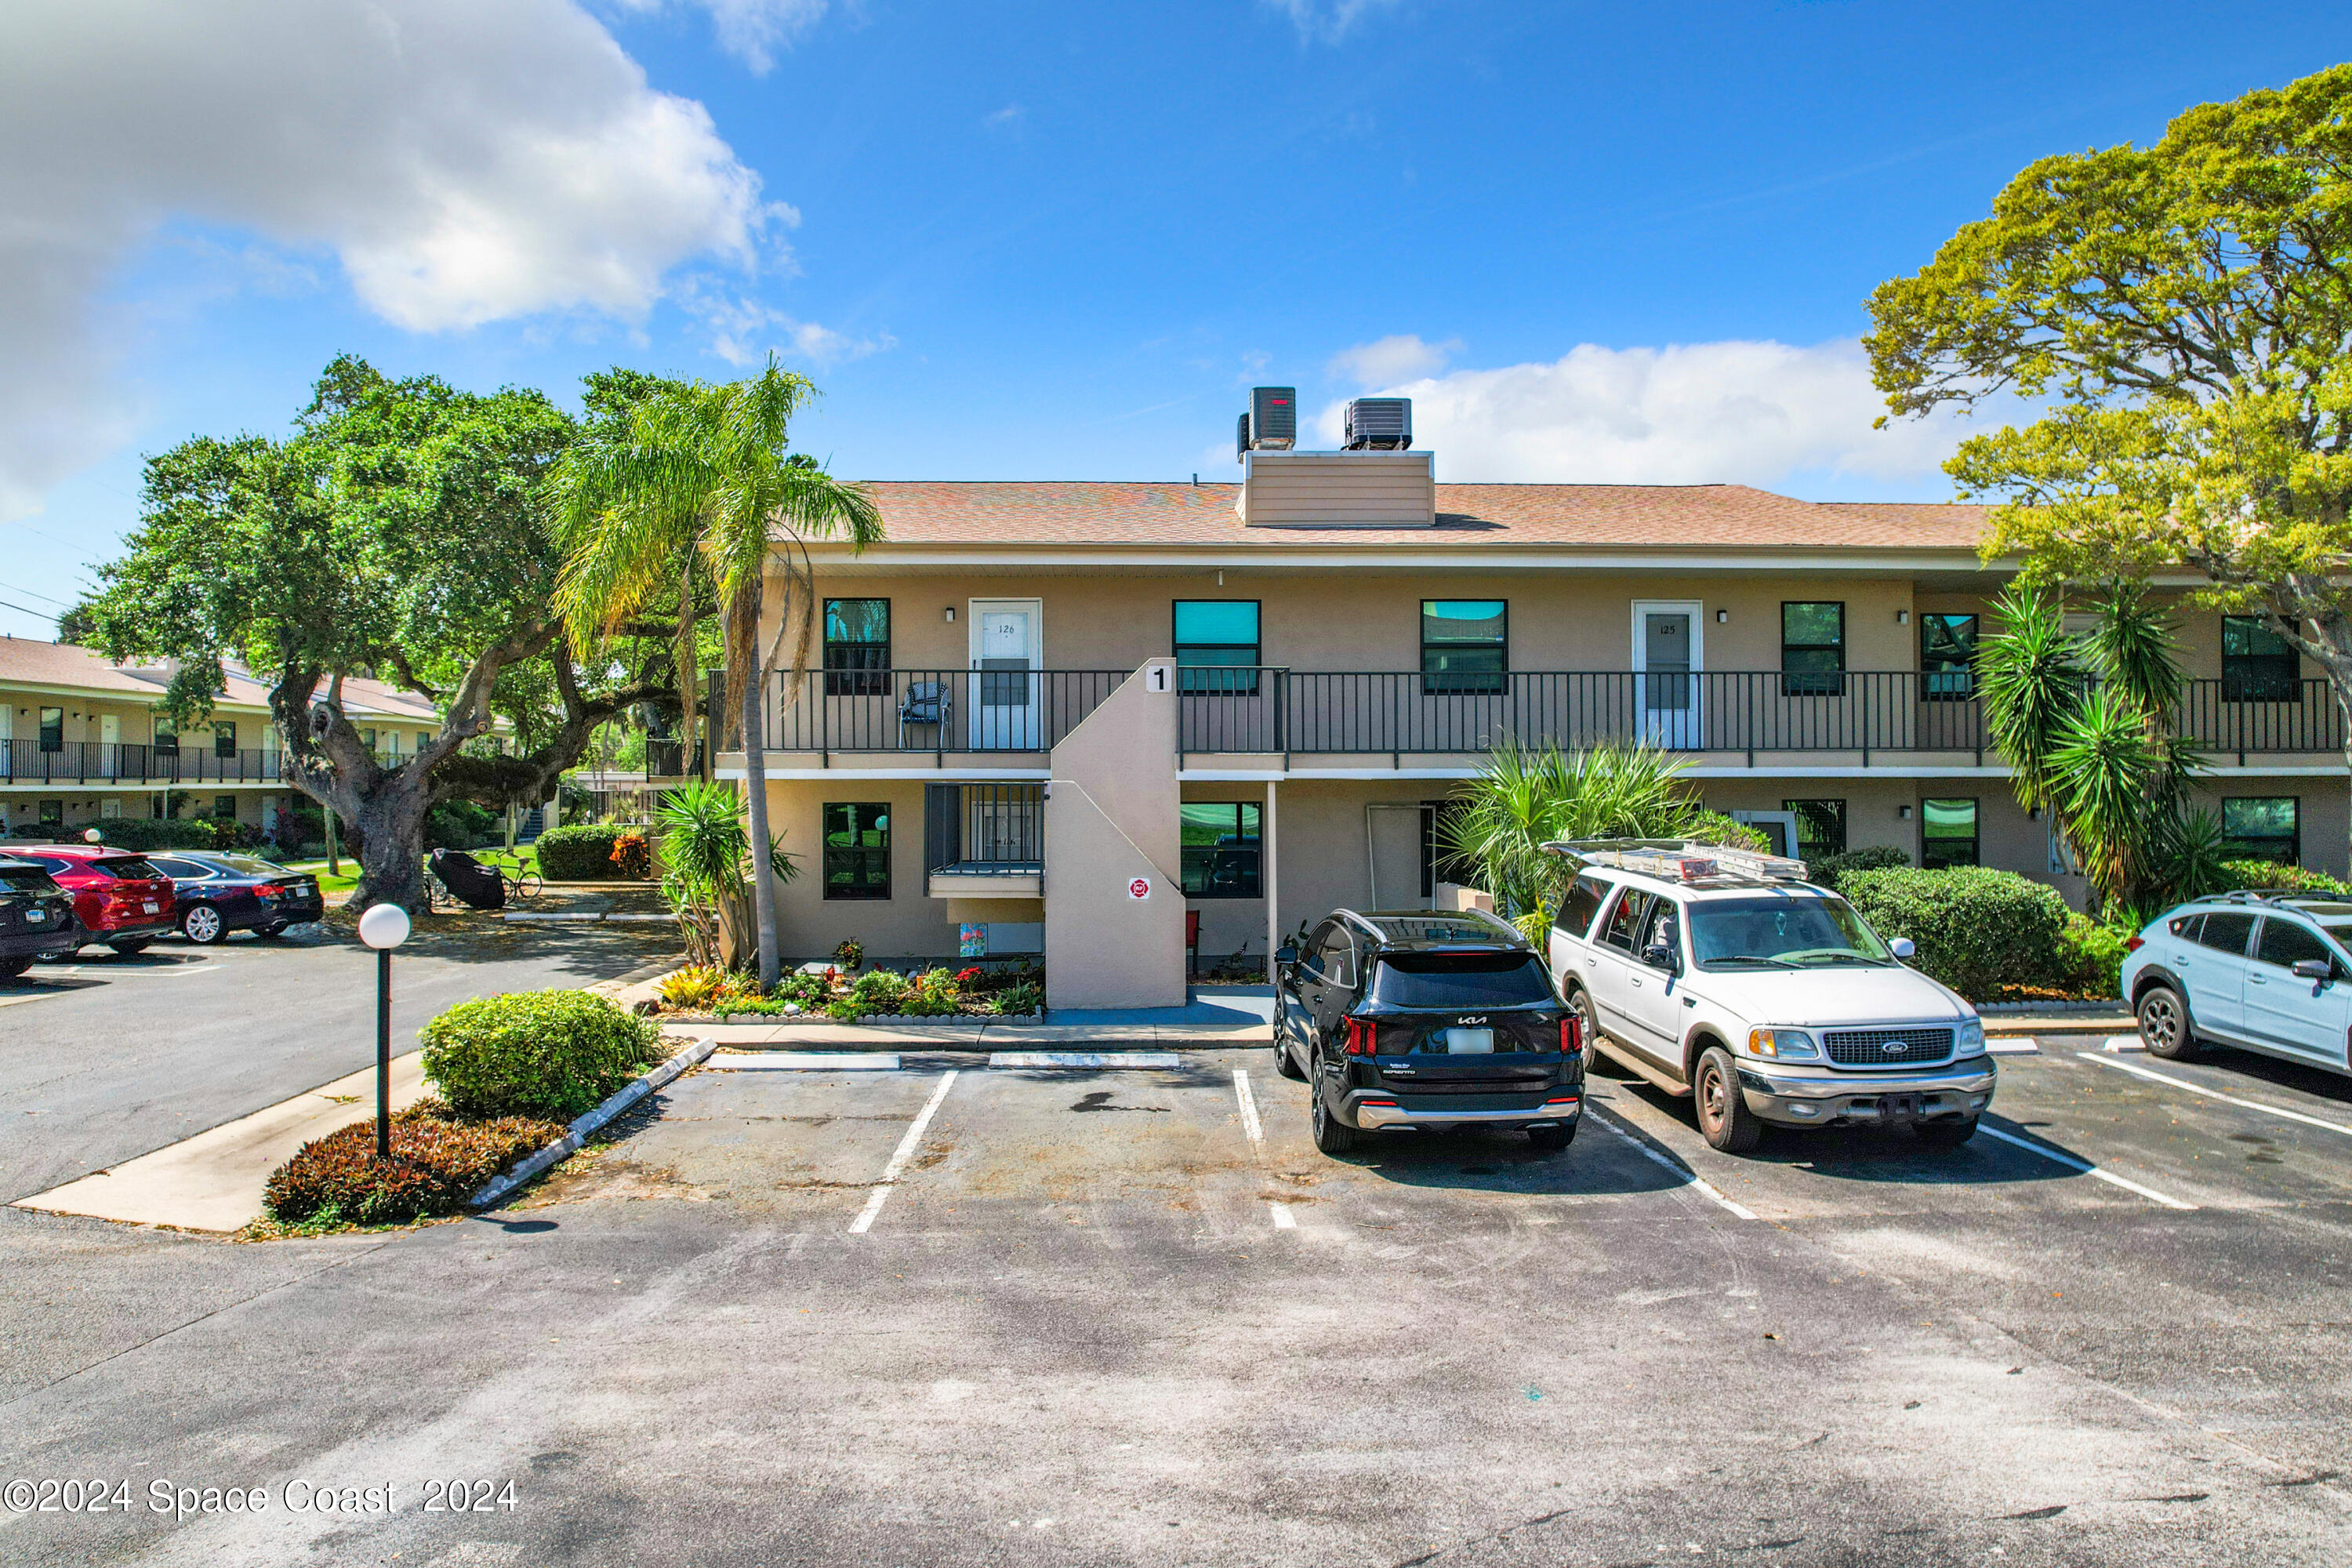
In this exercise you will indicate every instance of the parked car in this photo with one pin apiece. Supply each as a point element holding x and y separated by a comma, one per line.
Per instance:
<point>2265,972</point>
<point>117,897</point>
<point>1423,1020</point>
<point>1725,976</point>
<point>37,918</point>
<point>219,893</point>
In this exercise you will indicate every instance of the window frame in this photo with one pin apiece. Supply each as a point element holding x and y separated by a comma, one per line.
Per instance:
<point>844,678</point>
<point>2262,937</point>
<point>1965,691</point>
<point>2255,676</point>
<point>1975,837</point>
<point>1466,682</point>
<point>1638,914</point>
<point>2238,846</point>
<point>221,800</point>
<point>1256,888</point>
<point>166,736</point>
<point>1798,809</point>
<point>1600,889</point>
<point>44,725</point>
<point>224,738</point>
<point>1244,684</point>
<point>860,893</point>
<point>1812,682</point>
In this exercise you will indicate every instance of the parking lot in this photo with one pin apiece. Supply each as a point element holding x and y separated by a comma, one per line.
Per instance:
<point>957,1312</point>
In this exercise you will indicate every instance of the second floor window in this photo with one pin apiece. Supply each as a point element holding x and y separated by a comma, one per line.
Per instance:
<point>857,647</point>
<point>53,728</point>
<point>224,738</point>
<point>1812,648</point>
<point>2257,664</point>
<point>1216,645</point>
<point>1948,657</point>
<point>167,738</point>
<point>1464,645</point>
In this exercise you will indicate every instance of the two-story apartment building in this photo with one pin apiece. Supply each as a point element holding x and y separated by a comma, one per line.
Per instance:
<point>81,742</point>
<point>1064,717</point>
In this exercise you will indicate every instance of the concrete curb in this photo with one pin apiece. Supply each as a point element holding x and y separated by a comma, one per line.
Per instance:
<point>630,1093</point>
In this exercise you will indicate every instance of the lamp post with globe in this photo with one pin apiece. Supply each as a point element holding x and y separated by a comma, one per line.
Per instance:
<point>383,927</point>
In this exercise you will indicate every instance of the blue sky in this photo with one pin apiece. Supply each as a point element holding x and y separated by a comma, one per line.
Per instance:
<point>1037,241</point>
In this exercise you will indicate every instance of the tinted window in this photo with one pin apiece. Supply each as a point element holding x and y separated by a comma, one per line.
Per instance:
<point>25,879</point>
<point>1460,980</point>
<point>49,862</point>
<point>183,871</point>
<point>1583,902</point>
<point>2287,944</point>
<point>2227,932</point>
<point>126,868</point>
<point>1337,959</point>
<point>2185,927</point>
<point>1626,919</point>
<point>248,866</point>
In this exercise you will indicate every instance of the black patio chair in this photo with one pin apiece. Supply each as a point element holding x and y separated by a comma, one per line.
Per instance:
<point>925,702</point>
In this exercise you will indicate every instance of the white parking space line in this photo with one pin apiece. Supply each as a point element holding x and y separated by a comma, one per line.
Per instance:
<point>1251,1127</point>
<point>2085,1166</point>
<point>1690,1178</point>
<point>2122,1043</point>
<point>35,996</point>
<point>1091,1059</point>
<point>803,1061</point>
<point>2281,1111</point>
<point>907,1147</point>
<point>1282,1216</point>
<point>2013,1046</point>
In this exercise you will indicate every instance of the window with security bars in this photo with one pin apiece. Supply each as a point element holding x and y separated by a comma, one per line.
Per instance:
<point>2262,827</point>
<point>1216,643</point>
<point>857,647</point>
<point>1948,833</point>
<point>1948,657</point>
<point>2257,664</point>
<point>1821,826</point>
<point>1464,645</point>
<point>858,850</point>
<point>1812,648</point>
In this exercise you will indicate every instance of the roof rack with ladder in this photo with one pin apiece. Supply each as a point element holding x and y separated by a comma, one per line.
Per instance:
<point>1679,860</point>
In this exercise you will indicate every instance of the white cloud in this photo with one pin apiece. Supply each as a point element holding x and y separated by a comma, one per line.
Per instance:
<point>750,30</point>
<point>1403,357</point>
<point>464,163</point>
<point>1010,115</point>
<point>743,332</point>
<point>1750,413</point>
<point>1329,20</point>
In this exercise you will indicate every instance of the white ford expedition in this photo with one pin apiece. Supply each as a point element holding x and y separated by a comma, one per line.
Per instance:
<point>1725,976</point>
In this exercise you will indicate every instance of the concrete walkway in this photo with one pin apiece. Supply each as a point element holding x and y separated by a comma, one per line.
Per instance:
<point>215,1180</point>
<point>1219,1016</point>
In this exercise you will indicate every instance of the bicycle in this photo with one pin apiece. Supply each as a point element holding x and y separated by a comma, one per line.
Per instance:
<point>520,876</point>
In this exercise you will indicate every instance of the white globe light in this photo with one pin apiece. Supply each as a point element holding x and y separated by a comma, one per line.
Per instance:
<point>92,836</point>
<point>384,925</point>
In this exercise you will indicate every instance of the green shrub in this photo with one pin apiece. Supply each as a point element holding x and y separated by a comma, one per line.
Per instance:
<point>2093,953</point>
<point>1021,1000</point>
<point>1869,857</point>
<point>1714,827</point>
<point>2236,874</point>
<point>878,991</point>
<point>808,990</point>
<point>142,834</point>
<point>462,825</point>
<point>438,1162</point>
<point>579,852</point>
<point>535,1053</point>
<point>1978,930</point>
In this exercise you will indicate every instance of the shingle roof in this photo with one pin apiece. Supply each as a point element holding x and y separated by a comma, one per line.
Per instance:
<point>31,662</point>
<point>1091,512</point>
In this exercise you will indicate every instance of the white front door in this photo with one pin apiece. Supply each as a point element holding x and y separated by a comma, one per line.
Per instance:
<point>109,737</point>
<point>1006,649</point>
<point>1666,662</point>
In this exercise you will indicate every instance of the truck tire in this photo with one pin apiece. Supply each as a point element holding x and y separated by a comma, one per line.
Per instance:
<point>1723,1114</point>
<point>1332,1135</point>
<point>2165,1027</point>
<point>1946,1135</point>
<point>12,967</point>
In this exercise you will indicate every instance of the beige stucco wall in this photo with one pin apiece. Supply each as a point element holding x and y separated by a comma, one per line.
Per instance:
<point>1111,822</point>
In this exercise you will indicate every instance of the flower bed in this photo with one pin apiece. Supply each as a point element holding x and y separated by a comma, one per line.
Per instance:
<point>704,993</point>
<point>438,1161</point>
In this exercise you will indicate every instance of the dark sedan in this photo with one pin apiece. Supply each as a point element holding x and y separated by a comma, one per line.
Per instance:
<point>220,893</point>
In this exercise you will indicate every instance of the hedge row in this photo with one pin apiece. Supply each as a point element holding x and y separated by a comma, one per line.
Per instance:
<point>580,852</point>
<point>1978,930</point>
<point>536,1053</point>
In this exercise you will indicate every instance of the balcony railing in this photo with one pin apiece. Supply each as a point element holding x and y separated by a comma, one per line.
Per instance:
<point>1274,711</point>
<point>100,763</point>
<point>983,830</point>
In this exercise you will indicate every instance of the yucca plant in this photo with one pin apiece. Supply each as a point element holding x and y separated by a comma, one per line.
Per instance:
<point>705,853</point>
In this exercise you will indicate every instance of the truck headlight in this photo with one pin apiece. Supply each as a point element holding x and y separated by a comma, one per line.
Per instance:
<point>1972,1035</point>
<point>1781,1045</point>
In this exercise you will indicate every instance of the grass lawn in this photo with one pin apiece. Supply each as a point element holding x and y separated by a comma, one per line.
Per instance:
<point>351,876</point>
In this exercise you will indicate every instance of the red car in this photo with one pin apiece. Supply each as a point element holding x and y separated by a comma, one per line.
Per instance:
<point>117,897</point>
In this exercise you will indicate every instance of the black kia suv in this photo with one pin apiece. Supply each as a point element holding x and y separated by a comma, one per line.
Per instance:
<point>1422,1019</point>
<point>37,917</point>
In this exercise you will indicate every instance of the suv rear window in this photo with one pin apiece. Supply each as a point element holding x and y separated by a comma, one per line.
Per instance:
<point>1461,980</point>
<point>127,868</point>
<point>25,879</point>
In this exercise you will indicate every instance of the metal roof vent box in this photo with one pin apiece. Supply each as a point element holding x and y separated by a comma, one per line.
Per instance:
<point>1379,424</point>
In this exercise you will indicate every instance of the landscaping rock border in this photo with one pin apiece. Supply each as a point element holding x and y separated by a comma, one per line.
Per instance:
<point>636,1089</point>
<point>2109,1006</point>
<point>976,1020</point>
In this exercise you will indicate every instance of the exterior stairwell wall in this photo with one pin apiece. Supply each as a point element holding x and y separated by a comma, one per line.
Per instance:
<point>1111,822</point>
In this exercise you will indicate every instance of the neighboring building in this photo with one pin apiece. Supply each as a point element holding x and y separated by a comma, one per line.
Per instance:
<point>81,742</point>
<point>1260,695</point>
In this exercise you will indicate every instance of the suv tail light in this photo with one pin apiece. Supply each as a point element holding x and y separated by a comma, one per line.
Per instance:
<point>2134,943</point>
<point>1359,1038</point>
<point>1572,1036</point>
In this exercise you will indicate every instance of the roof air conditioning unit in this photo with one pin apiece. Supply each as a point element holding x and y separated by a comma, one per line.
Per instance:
<point>1380,424</point>
<point>1272,423</point>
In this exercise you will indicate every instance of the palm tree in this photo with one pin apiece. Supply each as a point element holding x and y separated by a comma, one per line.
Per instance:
<point>1525,796</point>
<point>701,478</point>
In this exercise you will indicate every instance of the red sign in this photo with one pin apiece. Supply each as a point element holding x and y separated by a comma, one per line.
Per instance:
<point>1138,888</point>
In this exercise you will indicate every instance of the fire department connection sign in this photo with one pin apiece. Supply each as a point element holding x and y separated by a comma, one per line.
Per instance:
<point>1140,889</point>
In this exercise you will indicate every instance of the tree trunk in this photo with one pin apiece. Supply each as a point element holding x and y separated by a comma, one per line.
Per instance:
<point>687,678</point>
<point>746,642</point>
<point>391,823</point>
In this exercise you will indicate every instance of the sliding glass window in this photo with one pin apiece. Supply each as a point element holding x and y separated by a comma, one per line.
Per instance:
<point>1464,645</point>
<point>1216,645</point>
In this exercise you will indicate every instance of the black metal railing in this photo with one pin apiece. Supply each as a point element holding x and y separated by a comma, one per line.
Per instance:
<point>935,710</point>
<point>1272,709</point>
<point>100,762</point>
<point>983,828</point>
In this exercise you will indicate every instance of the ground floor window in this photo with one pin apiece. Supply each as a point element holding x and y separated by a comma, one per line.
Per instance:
<point>1821,826</point>
<point>223,808</point>
<point>858,850</point>
<point>1948,833</point>
<point>2262,827</point>
<point>1221,849</point>
<point>53,813</point>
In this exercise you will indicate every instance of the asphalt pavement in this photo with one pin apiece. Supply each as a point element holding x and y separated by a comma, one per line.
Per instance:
<point>1131,1316</point>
